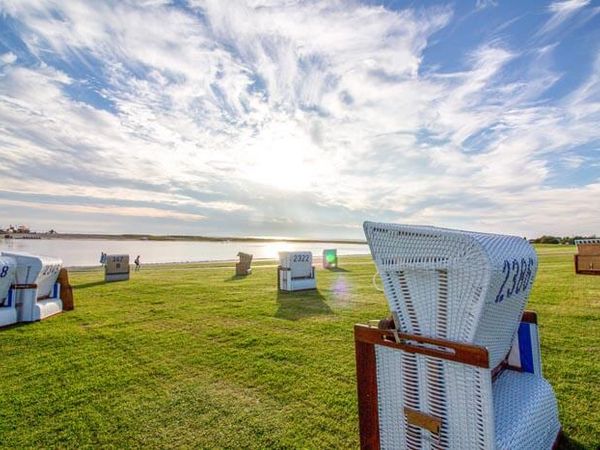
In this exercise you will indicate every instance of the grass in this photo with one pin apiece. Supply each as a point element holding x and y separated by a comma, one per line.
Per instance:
<point>189,356</point>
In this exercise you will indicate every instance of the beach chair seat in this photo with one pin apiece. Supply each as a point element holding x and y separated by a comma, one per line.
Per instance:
<point>521,404</point>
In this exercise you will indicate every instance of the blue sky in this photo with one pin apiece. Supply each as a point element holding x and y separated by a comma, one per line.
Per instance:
<point>300,118</point>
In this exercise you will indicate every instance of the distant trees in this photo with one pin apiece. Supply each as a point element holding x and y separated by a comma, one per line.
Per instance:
<point>566,240</point>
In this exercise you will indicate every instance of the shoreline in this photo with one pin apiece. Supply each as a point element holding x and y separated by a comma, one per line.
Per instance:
<point>172,238</point>
<point>216,262</point>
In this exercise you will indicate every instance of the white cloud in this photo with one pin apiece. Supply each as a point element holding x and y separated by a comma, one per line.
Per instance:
<point>239,112</point>
<point>482,4</point>
<point>561,12</point>
<point>107,210</point>
<point>7,58</point>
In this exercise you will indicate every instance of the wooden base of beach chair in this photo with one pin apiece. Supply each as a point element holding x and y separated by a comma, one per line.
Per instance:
<point>66,290</point>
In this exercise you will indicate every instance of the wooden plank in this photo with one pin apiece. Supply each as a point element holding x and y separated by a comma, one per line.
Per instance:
<point>24,286</point>
<point>473,355</point>
<point>422,420</point>
<point>366,382</point>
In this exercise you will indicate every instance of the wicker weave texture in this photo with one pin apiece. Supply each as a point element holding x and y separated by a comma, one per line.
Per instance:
<point>458,394</point>
<point>518,411</point>
<point>458,285</point>
<point>526,412</point>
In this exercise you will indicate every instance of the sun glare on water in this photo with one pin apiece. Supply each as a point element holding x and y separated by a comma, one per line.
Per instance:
<point>272,249</point>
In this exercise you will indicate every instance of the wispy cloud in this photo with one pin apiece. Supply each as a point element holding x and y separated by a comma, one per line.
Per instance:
<point>283,117</point>
<point>111,210</point>
<point>561,12</point>
<point>482,4</point>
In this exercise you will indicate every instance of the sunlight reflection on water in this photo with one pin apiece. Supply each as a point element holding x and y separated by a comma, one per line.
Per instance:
<point>86,252</point>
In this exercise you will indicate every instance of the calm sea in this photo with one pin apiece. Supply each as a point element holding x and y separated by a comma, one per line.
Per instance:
<point>86,252</point>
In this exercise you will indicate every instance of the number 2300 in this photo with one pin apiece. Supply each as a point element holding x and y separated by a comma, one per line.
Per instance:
<point>521,276</point>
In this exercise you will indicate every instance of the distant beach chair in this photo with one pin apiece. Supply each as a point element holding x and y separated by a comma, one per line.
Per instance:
<point>587,259</point>
<point>296,272</point>
<point>458,366</point>
<point>330,259</point>
<point>8,307</point>
<point>36,285</point>
<point>117,268</point>
<point>242,268</point>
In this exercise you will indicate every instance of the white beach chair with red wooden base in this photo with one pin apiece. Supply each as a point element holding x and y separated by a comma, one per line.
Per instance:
<point>459,366</point>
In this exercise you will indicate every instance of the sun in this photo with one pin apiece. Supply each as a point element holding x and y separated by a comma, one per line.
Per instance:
<point>284,169</point>
<point>282,157</point>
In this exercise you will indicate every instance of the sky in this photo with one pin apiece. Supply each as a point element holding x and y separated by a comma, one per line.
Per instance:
<point>300,118</point>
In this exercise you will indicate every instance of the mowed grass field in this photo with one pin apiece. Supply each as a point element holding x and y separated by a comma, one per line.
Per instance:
<point>189,356</point>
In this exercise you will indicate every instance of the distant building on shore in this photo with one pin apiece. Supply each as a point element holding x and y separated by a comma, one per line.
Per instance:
<point>19,229</point>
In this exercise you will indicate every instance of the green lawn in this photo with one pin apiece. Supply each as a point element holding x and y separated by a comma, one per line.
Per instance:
<point>189,356</point>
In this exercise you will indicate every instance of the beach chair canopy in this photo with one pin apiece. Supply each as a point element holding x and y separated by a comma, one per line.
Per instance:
<point>8,269</point>
<point>458,285</point>
<point>299,263</point>
<point>245,258</point>
<point>34,269</point>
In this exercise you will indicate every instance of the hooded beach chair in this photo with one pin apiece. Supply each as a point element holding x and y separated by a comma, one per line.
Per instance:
<point>37,290</point>
<point>296,272</point>
<point>330,258</point>
<point>242,268</point>
<point>8,308</point>
<point>587,259</point>
<point>458,366</point>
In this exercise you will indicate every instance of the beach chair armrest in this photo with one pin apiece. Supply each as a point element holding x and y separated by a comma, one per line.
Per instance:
<point>473,355</point>
<point>525,352</point>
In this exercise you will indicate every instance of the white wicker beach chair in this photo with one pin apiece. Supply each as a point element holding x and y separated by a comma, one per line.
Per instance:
<point>296,272</point>
<point>8,309</point>
<point>445,377</point>
<point>37,290</point>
